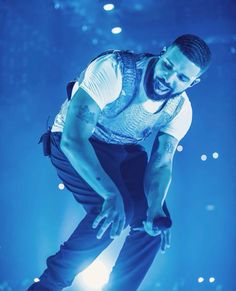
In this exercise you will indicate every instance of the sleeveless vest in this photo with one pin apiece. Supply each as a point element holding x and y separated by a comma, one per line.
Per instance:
<point>125,120</point>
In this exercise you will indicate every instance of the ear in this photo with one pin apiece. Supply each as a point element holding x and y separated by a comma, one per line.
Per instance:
<point>163,51</point>
<point>195,82</point>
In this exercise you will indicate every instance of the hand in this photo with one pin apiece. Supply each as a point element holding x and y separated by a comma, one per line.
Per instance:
<point>153,213</point>
<point>165,240</point>
<point>165,237</point>
<point>114,215</point>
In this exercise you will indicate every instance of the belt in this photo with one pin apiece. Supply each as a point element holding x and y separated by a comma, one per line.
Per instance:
<point>45,139</point>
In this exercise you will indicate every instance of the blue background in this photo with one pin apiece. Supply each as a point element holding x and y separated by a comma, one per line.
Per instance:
<point>45,44</point>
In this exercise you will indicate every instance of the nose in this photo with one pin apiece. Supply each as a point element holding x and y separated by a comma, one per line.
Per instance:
<point>169,78</point>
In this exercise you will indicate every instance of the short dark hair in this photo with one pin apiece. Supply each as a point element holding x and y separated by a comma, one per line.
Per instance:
<point>195,49</point>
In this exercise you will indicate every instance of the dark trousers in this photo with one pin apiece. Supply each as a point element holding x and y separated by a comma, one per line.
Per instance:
<point>125,164</point>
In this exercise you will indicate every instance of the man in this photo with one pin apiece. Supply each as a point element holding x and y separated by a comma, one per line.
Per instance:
<point>116,103</point>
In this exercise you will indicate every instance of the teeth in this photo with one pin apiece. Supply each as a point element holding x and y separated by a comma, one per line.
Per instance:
<point>161,86</point>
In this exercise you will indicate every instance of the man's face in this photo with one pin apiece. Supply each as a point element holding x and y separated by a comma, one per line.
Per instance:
<point>174,73</point>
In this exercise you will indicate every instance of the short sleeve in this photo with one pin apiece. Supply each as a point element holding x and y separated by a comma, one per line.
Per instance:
<point>102,80</point>
<point>180,124</point>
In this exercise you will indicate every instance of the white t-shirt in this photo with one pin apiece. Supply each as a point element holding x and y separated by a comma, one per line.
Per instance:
<point>102,80</point>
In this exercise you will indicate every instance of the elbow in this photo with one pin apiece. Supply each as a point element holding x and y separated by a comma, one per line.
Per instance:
<point>65,143</point>
<point>164,167</point>
<point>69,144</point>
<point>165,171</point>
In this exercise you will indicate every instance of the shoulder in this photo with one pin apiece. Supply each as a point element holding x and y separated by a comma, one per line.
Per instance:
<point>102,79</point>
<point>187,106</point>
<point>105,63</point>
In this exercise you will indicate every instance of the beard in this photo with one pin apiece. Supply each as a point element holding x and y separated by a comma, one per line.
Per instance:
<point>156,88</point>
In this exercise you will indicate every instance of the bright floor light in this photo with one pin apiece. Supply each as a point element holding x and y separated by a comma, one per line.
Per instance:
<point>95,276</point>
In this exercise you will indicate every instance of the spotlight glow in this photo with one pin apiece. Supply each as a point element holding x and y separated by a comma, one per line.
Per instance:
<point>36,280</point>
<point>94,41</point>
<point>116,30</point>
<point>108,7</point>
<point>61,186</point>
<point>215,155</point>
<point>210,207</point>
<point>84,27</point>
<point>204,157</point>
<point>212,279</point>
<point>200,279</point>
<point>95,276</point>
<point>180,148</point>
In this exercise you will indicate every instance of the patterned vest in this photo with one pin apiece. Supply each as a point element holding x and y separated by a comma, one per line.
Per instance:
<point>125,120</point>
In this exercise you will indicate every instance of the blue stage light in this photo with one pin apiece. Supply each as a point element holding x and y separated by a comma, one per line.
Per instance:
<point>210,207</point>
<point>116,30</point>
<point>180,148</point>
<point>203,158</point>
<point>215,155</point>
<point>108,7</point>
<point>212,279</point>
<point>61,186</point>
<point>200,279</point>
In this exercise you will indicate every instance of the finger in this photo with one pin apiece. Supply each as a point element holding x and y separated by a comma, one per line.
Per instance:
<point>163,242</point>
<point>99,218</point>
<point>103,228</point>
<point>121,227</point>
<point>168,236</point>
<point>156,231</point>
<point>138,228</point>
<point>114,228</point>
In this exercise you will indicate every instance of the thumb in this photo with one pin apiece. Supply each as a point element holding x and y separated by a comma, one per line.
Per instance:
<point>148,224</point>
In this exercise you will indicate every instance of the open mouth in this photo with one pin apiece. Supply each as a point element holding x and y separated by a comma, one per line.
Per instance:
<point>160,87</point>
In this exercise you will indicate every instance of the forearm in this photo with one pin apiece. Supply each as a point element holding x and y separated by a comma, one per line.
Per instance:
<point>156,182</point>
<point>84,160</point>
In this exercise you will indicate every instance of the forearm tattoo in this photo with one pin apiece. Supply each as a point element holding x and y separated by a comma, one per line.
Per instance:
<point>86,115</point>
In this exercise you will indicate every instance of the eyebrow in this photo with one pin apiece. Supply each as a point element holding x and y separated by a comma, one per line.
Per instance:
<point>174,65</point>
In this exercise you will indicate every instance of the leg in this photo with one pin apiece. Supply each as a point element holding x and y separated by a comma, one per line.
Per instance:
<point>82,247</point>
<point>135,259</point>
<point>77,253</point>
<point>139,249</point>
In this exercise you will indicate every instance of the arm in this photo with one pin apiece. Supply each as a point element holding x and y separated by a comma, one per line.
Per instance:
<point>158,175</point>
<point>159,169</point>
<point>80,122</point>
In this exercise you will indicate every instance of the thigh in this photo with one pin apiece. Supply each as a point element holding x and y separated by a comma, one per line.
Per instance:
<point>133,171</point>
<point>110,158</point>
<point>81,190</point>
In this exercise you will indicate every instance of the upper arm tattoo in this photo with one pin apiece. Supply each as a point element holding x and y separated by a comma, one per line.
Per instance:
<point>86,115</point>
<point>169,147</point>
